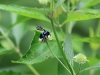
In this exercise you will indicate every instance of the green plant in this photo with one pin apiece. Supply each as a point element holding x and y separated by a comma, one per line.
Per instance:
<point>52,13</point>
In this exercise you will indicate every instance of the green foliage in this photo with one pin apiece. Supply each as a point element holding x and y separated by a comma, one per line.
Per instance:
<point>82,15</point>
<point>18,35</point>
<point>39,52</point>
<point>25,11</point>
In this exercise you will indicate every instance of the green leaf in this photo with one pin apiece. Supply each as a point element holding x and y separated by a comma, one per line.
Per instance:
<point>10,73</point>
<point>88,3</point>
<point>59,2</point>
<point>88,39</point>
<point>92,67</point>
<point>39,52</point>
<point>82,15</point>
<point>68,49</point>
<point>25,11</point>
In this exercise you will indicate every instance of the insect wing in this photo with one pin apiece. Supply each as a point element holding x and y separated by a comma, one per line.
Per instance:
<point>39,28</point>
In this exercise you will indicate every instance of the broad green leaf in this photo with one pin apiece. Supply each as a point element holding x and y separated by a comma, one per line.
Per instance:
<point>25,11</point>
<point>82,15</point>
<point>10,73</point>
<point>3,50</point>
<point>88,3</point>
<point>92,67</point>
<point>88,39</point>
<point>39,52</point>
<point>68,49</point>
<point>59,2</point>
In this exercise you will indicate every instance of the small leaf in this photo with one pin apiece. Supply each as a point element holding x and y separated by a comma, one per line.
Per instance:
<point>92,67</point>
<point>68,49</point>
<point>59,2</point>
<point>82,15</point>
<point>88,39</point>
<point>88,3</point>
<point>10,73</point>
<point>39,52</point>
<point>25,11</point>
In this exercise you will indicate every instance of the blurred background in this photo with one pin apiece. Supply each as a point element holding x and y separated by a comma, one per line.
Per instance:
<point>22,34</point>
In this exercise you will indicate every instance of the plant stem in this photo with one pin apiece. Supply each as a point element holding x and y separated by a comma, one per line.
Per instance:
<point>61,49</point>
<point>80,65</point>
<point>57,57</point>
<point>18,51</point>
<point>59,45</point>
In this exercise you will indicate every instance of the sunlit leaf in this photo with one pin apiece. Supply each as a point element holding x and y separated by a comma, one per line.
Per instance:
<point>25,11</point>
<point>68,49</point>
<point>82,15</point>
<point>92,67</point>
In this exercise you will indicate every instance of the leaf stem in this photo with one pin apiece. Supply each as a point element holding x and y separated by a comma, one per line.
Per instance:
<point>57,57</point>
<point>18,51</point>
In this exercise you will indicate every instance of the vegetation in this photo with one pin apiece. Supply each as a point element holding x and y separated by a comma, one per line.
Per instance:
<point>72,49</point>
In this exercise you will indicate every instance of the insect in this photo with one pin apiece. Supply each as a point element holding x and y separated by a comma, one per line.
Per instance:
<point>44,35</point>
